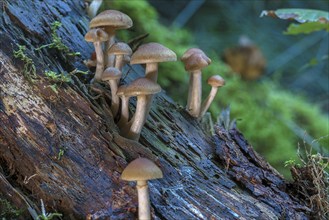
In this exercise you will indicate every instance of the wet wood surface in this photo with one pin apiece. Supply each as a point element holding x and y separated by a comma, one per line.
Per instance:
<point>205,176</point>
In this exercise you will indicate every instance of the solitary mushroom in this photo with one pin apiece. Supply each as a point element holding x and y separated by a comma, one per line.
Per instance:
<point>215,82</point>
<point>111,75</point>
<point>193,64</point>
<point>97,36</point>
<point>111,20</point>
<point>142,170</point>
<point>119,49</point>
<point>142,88</point>
<point>151,54</point>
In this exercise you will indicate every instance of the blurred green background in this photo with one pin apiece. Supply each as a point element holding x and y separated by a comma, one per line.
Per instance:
<point>286,107</point>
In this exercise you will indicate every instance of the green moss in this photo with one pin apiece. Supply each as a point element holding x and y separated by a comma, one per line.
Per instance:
<point>57,79</point>
<point>29,70</point>
<point>8,211</point>
<point>57,41</point>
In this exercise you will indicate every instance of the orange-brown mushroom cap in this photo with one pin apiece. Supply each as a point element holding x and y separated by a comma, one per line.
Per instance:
<point>113,18</point>
<point>216,81</point>
<point>141,169</point>
<point>152,53</point>
<point>190,52</point>
<point>196,62</point>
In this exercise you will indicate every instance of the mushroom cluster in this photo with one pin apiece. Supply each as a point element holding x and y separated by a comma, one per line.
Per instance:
<point>194,61</point>
<point>110,57</point>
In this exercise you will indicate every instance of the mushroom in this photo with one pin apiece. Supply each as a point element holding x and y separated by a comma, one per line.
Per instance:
<point>193,64</point>
<point>119,49</point>
<point>124,117</point>
<point>111,20</point>
<point>215,82</point>
<point>151,54</point>
<point>111,76</point>
<point>142,88</point>
<point>142,170</point>
<point>97,36</point>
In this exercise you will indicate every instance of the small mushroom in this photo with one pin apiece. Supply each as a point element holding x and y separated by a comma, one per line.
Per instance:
<point>142,170</point>
<point>193,64</point>
<point>142,88</point>
<point>111,20</point>
<point>97,36</point>
<point>119,49</point>
<point>215,82</point>
<point>111,76</point>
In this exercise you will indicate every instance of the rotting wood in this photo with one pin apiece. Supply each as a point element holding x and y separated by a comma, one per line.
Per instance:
<point>205,176</point>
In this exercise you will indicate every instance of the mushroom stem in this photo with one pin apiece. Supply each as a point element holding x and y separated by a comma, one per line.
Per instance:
<point>144,212</point>
<point>208,101</point>
<point>138,119</point>
<point>100,60</point>
<point>119,62</point>
<point>115,99</point>
<point>109,58</point>
<point>151,71</point>
<point>195,92</point>
<point>93,8</point>
<point>124,112</point>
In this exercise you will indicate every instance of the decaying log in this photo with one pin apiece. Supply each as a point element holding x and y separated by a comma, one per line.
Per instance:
<point>205,176</point>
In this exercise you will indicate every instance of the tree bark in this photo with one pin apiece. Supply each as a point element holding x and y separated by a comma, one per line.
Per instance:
<point>205,176</point>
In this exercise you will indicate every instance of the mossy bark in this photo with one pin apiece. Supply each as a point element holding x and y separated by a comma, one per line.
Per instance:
<point>205,176</point>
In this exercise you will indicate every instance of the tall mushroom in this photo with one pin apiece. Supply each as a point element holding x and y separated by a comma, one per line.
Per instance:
<point>215,82</point>
<point>193,64</point>
<point>151,54</point>
<point>111,76</point>
<point>142,88</point>
<point>142,170</point>
<point>119,49</point>
<point>111,20</point>
<point>97,36</point>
